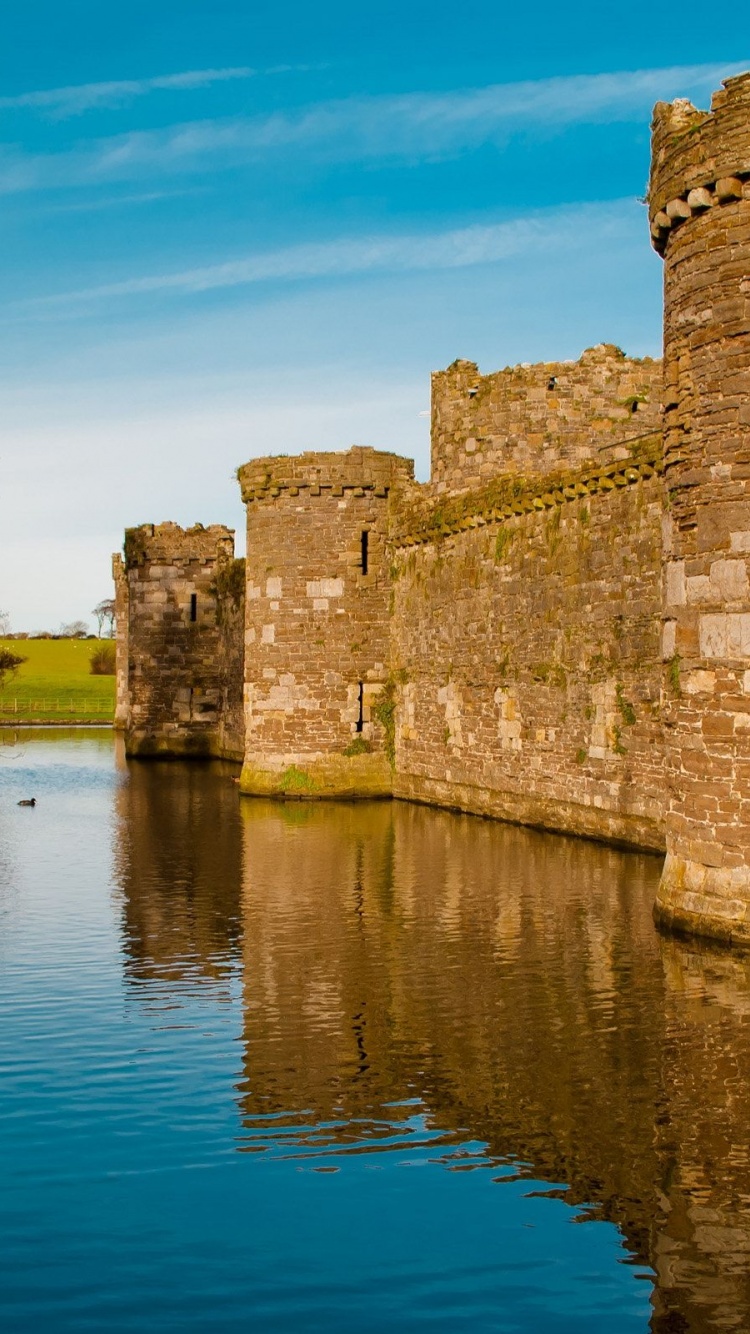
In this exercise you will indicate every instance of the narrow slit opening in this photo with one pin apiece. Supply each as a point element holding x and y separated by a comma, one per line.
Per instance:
<point>365,549</point>
<point>361,717</point>
<point>193,606</point>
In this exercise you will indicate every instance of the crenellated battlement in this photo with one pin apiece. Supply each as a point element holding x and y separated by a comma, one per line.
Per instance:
<point>359,469</point>
<point>168,543</point>
<point>700,160</point>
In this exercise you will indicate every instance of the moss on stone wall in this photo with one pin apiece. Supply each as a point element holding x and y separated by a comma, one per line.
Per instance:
<point>534,677</point>
<point>384,711</point>
<point>362,775</point>
<point>230,582</point>
<point>419,519</point>
<point>135,546</point>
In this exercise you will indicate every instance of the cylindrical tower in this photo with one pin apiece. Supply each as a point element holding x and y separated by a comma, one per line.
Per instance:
<point>699,200</point>
<point>171,649</point>
<point>318,706</point>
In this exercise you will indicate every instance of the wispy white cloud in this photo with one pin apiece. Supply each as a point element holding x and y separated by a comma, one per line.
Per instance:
<point>559,229</point>
<point>59,103</point>
<point>410,126</point>
<point>116,201</point>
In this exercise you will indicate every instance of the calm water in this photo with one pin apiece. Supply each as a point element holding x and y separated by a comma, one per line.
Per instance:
<point>280,1067</point>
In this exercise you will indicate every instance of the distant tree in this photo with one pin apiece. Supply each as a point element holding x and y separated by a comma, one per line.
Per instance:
<point>4,623</point>
<point>9,662</point>
<point>104,612</point>
<point>74,630</point>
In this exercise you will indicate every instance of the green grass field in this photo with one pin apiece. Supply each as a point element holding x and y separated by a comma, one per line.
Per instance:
<point>55,684</point>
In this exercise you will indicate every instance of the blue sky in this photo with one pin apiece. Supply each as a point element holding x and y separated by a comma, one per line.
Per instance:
<point>235,229</point>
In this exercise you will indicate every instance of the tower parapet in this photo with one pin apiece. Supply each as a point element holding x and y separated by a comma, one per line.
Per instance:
<point>699,159</point>
<point>172,690</point>
<point>700,222</point>
<point>317,623</point>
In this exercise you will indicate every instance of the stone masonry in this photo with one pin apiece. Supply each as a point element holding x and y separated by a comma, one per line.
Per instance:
<point>700,223</point>
<point>525,648</point>
<point>171,642</point>
<point>554,631</point>
<point>532,419</point>
<point>317,625</point>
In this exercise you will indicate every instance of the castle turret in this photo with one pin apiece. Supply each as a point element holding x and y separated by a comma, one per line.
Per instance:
<point>699,199</point>
<point>172,651</point>
<point>318,710</point>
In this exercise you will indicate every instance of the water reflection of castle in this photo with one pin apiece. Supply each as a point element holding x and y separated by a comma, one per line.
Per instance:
<point>391,951</point>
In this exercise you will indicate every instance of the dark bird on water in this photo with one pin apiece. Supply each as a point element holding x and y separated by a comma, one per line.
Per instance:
<point>30,802</point>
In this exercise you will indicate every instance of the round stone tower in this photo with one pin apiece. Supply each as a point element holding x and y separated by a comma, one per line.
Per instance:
<point>699,203</point>
<point>318,700</point>
<point>171,645</point>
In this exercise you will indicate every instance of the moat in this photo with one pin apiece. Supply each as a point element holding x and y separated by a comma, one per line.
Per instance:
<point>356,1067</point>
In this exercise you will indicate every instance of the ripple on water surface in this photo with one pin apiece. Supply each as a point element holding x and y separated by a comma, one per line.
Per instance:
<point>295,1067</point>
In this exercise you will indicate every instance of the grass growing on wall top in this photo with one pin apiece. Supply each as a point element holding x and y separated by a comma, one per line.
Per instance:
<point>55,683</point>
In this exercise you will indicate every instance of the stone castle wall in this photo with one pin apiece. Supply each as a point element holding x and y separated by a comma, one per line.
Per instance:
<point>526,653</point>
<point>317,625</point>
<point>530,420</point>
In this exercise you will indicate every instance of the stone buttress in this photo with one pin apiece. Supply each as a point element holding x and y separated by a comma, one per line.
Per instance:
<point>699,203</point>
<point>171,644</point>
<point>318,711</point>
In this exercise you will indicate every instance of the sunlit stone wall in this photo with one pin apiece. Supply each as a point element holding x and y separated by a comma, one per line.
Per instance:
<point>317,634</point>
<point>532,419</point>
<point>700,220</point>
<point>525,651</point>
<point>173,699</point>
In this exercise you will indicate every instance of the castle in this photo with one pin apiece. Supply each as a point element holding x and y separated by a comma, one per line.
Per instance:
<point>555,630</point>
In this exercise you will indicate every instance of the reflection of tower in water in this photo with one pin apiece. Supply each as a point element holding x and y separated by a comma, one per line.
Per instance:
<point>513,983</point>
<point>510,981</point>
<point>702,1238</point>
<point>313,920</point>
<point>178,867</point>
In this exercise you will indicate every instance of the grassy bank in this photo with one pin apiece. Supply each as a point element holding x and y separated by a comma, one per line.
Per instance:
<point>55,685</point>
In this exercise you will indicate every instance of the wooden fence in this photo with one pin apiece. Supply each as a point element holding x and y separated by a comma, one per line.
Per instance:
<point>12,708</point>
